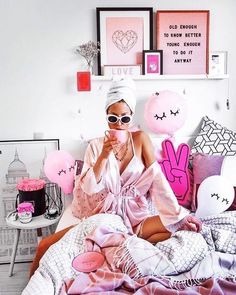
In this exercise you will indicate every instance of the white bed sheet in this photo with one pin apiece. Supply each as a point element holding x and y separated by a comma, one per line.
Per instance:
<point>67,219</point>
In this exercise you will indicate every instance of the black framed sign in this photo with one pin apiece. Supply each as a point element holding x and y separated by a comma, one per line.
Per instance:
<point>123,33</point>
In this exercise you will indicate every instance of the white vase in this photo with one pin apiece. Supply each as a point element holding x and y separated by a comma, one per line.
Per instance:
<point>90,67</point>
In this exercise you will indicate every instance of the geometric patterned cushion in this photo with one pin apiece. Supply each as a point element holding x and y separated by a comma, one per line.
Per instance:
<point>214,139</point>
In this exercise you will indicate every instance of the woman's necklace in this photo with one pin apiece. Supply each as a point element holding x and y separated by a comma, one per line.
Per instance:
<point>122,152</point>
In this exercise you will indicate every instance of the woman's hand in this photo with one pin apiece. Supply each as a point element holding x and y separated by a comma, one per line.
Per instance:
<point>191,223</point>
<point>108,144</point>
<point>107,148</point>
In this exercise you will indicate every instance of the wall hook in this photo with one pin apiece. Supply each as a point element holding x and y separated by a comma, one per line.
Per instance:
<point>227,104</point>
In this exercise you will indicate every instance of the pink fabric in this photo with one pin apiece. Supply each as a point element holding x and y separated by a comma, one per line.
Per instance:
<point>126,194</point>
<point>145,286</point>
<point>84,205</point>
<point>109,279</point>
<point>206,165</point>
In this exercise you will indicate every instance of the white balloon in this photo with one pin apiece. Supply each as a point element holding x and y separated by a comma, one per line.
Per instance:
<point>215,195</point>
<point>228,169</point>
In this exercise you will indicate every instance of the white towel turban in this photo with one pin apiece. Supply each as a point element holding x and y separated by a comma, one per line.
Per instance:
<point>122,89</point>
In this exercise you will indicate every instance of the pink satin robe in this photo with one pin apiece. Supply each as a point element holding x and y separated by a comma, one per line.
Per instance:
<point>126,194</point>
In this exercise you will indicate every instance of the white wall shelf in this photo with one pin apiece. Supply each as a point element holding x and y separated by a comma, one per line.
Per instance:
<point>167,77</point>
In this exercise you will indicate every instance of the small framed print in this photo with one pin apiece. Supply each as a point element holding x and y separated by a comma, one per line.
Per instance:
<point>152,62</point>
<point>218,62</point>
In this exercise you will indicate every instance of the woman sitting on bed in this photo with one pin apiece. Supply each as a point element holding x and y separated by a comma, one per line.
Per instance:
<point>125,174</point>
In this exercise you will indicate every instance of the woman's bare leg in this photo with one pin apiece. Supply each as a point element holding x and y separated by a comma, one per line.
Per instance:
<point>158,237</point>
<point>153,230</point>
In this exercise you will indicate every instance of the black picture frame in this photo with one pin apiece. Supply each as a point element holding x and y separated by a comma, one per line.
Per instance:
<point>105,14</point>
<point>152,62</point>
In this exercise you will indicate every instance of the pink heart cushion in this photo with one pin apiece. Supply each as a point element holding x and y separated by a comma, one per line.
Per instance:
<point>88,261</point>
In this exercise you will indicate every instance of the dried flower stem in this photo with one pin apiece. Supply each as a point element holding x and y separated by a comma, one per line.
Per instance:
<point>89,51</point>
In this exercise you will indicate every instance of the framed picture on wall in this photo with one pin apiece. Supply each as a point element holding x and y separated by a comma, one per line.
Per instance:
<point>152,62</point>
<point>123,33</point>
<point>183,35</point>
<point>218,62</point>
<point>20,159</point>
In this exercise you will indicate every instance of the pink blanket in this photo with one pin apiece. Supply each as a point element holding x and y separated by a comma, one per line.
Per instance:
<point>146,286</point>
<point>134,266</point>
<point>131,264</point>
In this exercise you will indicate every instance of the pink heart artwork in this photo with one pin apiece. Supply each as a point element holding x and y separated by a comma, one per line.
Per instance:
<point>124,41</point>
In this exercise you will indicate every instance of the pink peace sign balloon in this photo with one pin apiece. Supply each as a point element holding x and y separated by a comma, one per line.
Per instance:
<point>175,168</point>
<point>59,168</point>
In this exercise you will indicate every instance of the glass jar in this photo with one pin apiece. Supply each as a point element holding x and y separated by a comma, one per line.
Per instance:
<point>25,211</point>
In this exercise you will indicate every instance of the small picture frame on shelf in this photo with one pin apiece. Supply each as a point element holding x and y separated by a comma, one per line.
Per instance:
<point>218,63</point>
<point>152,62</point>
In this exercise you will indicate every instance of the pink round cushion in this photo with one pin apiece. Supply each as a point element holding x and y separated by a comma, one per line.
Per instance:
<point>88,261</point>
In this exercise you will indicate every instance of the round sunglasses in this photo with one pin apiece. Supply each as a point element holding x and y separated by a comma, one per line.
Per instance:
<point>113,119</point>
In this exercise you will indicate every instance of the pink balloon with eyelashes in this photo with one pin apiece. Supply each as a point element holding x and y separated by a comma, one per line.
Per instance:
<point>174,165</point>
<point>165,112</point>
<point>59,168</point>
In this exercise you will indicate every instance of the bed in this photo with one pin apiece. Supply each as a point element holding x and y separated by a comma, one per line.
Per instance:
<point>67,219</point>
<point>187,263</point>
<point>184,264</point>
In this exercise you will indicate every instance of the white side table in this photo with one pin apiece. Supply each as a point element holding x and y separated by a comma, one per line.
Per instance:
<point>37,222</point>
